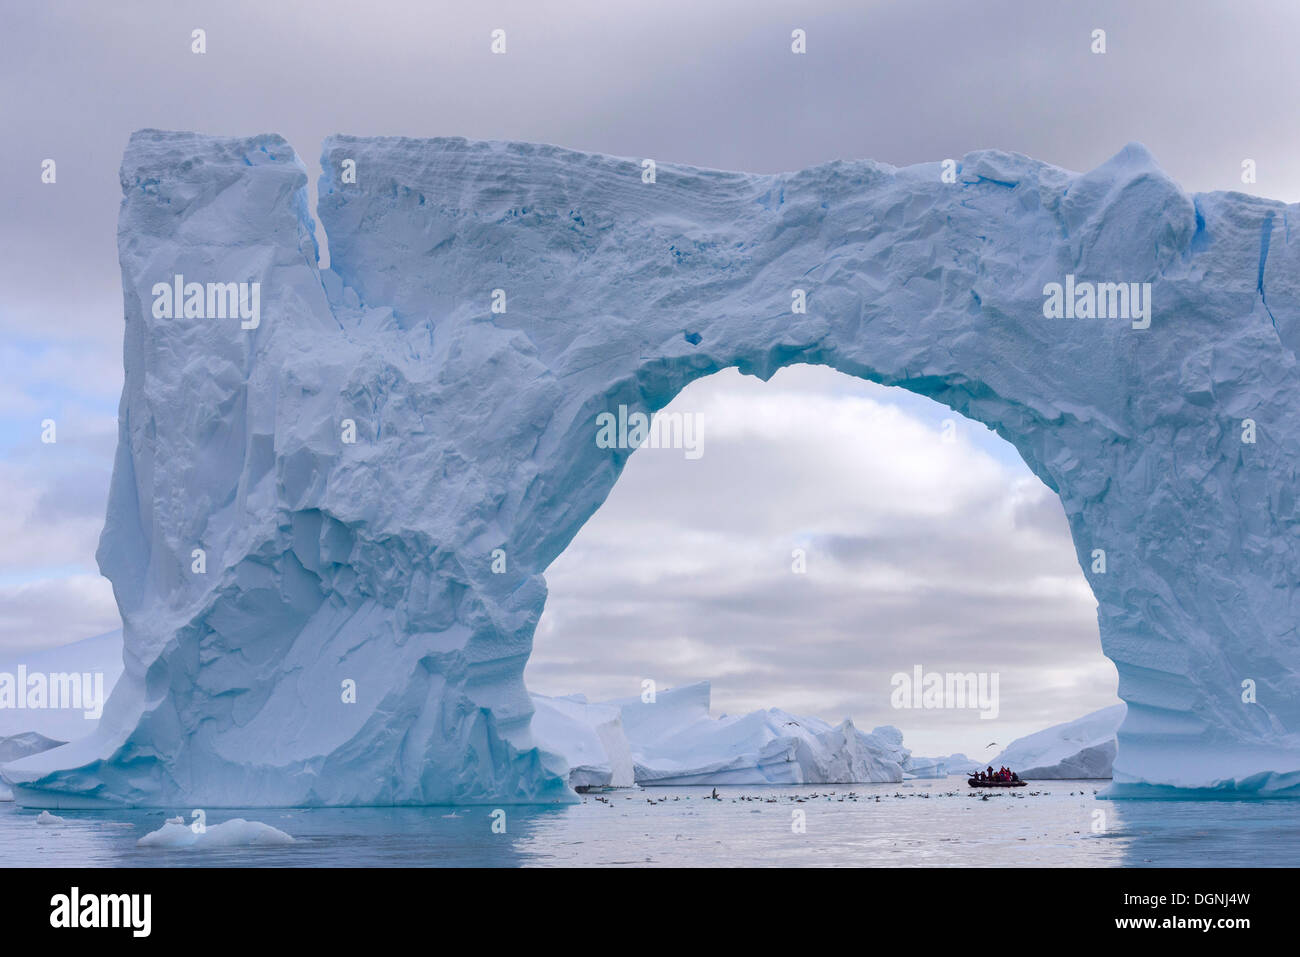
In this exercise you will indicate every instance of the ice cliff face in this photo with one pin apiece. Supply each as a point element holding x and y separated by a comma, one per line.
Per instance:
<point>370,561</point>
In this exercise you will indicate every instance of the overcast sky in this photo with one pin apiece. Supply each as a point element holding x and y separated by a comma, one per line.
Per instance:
<point>918,553</point>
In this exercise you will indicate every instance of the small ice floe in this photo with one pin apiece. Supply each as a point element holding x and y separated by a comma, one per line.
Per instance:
<point>233,833</point>
<point>452,814</point>
<point>45,817</point>
<point>175,820</point>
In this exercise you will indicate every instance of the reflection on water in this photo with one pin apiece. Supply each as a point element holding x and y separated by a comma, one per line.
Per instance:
<point>922,823</point>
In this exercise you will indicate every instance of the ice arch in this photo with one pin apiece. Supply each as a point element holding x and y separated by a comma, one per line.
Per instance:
<point>371,561</point>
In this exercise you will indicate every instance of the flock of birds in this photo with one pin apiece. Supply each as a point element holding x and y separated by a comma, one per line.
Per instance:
<point>829,796</point>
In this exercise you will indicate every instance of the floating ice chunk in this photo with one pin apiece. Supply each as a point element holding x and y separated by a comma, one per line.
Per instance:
<point>45,817</point>
<point>233,833</point>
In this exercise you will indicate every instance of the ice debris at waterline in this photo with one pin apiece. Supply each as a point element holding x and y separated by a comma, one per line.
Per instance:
<point>361,489</point>
<point>233,833</point>
<point>1082,748</point>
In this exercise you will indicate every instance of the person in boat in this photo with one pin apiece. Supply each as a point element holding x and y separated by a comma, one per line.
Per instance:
<point>990,772</point>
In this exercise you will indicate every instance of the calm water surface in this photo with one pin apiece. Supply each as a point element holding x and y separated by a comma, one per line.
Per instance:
<point>921,823</point>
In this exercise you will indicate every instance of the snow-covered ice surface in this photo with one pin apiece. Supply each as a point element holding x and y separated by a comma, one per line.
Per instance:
<point>1082,748</point>
<point>372,561</point>
<point>675,741</point>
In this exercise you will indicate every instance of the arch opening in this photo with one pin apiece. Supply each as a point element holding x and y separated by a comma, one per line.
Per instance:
<point>822,539</point>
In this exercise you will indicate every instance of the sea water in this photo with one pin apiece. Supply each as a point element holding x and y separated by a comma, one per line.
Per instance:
<point>918,823</point>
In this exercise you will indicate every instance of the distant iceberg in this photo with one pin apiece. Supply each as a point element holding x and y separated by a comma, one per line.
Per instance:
<point>919,767</point>
<point>588,737</point>
<point>675,741</point>
<point>17,746</point>
<point>97,656</point>
<point>1082,748</point>
<point>28,731</point>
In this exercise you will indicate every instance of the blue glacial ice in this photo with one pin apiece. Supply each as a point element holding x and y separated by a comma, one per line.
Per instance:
<point>408,563</point>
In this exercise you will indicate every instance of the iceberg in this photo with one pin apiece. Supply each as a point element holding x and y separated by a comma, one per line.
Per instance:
<point>675,741</point>
<point>588,737</point>
<point>330,514</point>
<point>1082,748</point>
